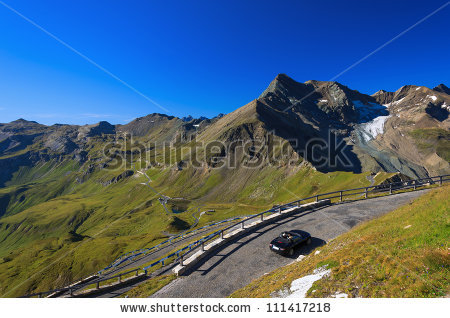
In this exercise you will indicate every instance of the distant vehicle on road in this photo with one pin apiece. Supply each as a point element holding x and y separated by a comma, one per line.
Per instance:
<point>288,241</point>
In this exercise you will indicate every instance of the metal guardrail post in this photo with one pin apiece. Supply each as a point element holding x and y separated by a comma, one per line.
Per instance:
<point>279,210</point>
<point>181,260</point>
<point>242,225</point>
<point>98,285</point>
<point>317,198</point>
<point>440,180</point>
<point>365,193</point>
<point>119,278</point>
<point>137,272</point>
<point>262,217</point>
<point>415,184</point>
<point>71,291</point>
<point>340,196</point>
<point>203,246</point>
<point>221,235</point>
<point>390,188</point>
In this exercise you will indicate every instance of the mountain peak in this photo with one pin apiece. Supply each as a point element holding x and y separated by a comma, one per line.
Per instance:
<point>441,88</point>
<point>283,86</point>
<point>283,77</point>
<point>381,91</point>
<point>23,121</point>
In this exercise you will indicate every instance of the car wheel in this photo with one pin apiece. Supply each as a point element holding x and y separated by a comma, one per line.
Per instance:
<point>308,241</point>
<point>291,252</point>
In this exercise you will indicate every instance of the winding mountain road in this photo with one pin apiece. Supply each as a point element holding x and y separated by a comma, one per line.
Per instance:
<point>247,258</point>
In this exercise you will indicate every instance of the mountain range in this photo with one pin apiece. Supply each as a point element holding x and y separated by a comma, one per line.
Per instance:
<point>58,189</point>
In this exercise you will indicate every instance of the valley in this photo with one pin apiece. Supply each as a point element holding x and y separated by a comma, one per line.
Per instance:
<point>74,198</point>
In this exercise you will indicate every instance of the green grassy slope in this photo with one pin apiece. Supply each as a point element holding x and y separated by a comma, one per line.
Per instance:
<point>431,140</point>
<point>401,254</point>
<point>92,225</point>
<point>62,218</point>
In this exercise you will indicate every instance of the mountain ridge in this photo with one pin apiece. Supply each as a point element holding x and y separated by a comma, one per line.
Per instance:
<point>60,185</point>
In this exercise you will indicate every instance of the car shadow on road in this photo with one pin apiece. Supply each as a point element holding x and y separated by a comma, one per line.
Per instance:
<point>306,249</point>
<point>243,240</point>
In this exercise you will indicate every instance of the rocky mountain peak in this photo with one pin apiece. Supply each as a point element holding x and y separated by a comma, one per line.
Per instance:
<point>441,88</point>
<point>380,92</point>
<point>187,118</point>
<point>283,86</point>
<point>98,129</point>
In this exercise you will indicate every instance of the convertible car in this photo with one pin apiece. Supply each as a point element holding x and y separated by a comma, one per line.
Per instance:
<point>288,241</point>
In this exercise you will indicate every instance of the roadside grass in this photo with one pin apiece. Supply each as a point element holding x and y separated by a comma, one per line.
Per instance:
<point>150,286</point>
<point>401,254</point>
<point>61,218</point>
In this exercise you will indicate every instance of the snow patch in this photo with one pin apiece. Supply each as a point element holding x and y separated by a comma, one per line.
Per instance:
<point>323,100</point>
<point>317,252</point>
<point>373,128</point>
<point>432,97</point>
<point>394,103</point>
<point>300,287</point>
<point>417,88</point>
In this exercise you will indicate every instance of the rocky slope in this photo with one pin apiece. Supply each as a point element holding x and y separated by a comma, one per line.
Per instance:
<point>57,186</point>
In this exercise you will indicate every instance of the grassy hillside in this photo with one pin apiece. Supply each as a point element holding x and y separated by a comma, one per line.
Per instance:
<point>401,254</point>
<point>433,140</point>
<point>59,239</point>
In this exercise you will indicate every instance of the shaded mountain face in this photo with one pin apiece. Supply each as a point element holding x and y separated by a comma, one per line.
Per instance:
<point>441,88</point>
<point>321,103</point>
<point>57,185</point>
<point>371,133</point>
<point>379,131</point>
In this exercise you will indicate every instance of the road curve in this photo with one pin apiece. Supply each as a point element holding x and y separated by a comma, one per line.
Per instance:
<point>247,258</point>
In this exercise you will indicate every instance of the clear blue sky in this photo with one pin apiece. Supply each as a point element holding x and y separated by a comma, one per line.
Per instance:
<point>205,57</point>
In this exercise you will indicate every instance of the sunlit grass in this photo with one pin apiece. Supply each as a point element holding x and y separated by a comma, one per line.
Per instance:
<point>401,254</point>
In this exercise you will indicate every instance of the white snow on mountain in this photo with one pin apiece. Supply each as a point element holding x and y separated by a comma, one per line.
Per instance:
<point>373,128</point>
<point>394,103</point>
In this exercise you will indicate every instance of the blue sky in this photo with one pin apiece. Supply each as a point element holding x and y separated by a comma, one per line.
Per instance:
<point>205,57</point>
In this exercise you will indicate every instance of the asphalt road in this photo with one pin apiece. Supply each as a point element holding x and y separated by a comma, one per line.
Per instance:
<point>140,262</point>
<point>247,258</point>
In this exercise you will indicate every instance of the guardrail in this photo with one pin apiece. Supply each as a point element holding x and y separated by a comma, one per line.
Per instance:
<point>181,254</point>
<point>122,259</point>
<point>341,194</point>
<point>131,256</point>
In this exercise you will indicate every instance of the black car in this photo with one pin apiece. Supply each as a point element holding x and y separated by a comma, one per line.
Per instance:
<point>288,241</point>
